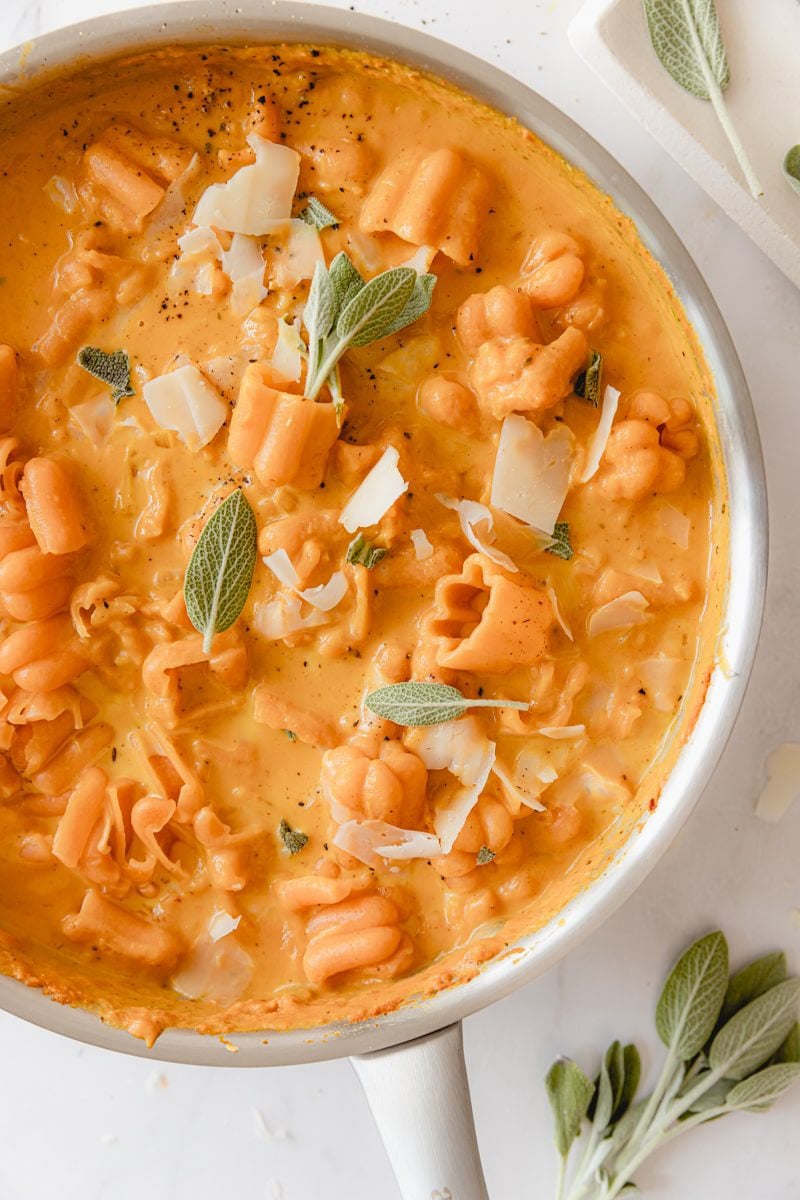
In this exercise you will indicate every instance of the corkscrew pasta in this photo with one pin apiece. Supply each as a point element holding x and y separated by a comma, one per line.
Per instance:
<point>500,478</point>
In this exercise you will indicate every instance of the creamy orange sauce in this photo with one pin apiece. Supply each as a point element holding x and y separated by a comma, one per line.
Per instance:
<point>144,782</point>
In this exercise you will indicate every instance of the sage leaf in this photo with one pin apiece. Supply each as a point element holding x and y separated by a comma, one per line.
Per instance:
<point>418,305</point>
<point>759,1091</point>
<point>755,1032</point>
<point>562,546</point>
<point>791,167</point>
<point>419,704</point>
<point>687,39</point>
<point>293,839</point>
<point>347,280</point>
<point>112,368</point>
<point>322,304</point>
<point>364,552</point>
<point>690,1003</point>
<point>569,1092</point>
<point>220,571</point>
<point>587,383</point>
<point>714,1097</point>
<point>603,1098</point>
<point>376,306</point>
<point>317,215</point>
<point>789,1052</point>
<point>752,981</point>
<point>484,856</point>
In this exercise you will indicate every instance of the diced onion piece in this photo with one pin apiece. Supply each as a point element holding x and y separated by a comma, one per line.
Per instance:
<point>185,401</point>
<point>783,782</point>
<point>676,525</point>
<point>217,971</point>
<point>470,514</point>
<point>371,841</point>
<point>531,472</point>
<point>280,616</point>
<point>462,748</point>
<point>421,260</point>
<point>287,357</point>
<point>625,610</point>
<point>557,732</point>
<point>662,678</point>
<point>221,923</point>
<point>602,432</point>
<point>298,256</point>
<point>327,595</point>
<point>376,493</point>
<point>282,568</point>
<point>553,595</point>
<point>257,197</point>
<point>422,545</point>
<point>95,418</point>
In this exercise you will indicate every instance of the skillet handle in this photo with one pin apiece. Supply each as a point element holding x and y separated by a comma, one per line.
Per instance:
<point>419,1096</point>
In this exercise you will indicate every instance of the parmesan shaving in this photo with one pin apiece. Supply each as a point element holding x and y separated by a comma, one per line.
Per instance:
<point>422,546</point>
<point>376,493</point>
<point>601,433</point>
<point>218,971</point>
<point>551,592</point>
<point>95,418</point>
<point>646,571</point>
<point>662,678</point>
<point>422,260</point>
<point>62,192</point>
<point>280,616</point>
<point>556,732</point>
<point>298,257</point>
<point>243,263</point>
<point>521,798</point>
<point>282,568</point>
<point>531,472</point>
<point>372,841</point>
<point>462,748</point>
<point>185,401</point>
<point>221,923</point>
<point>324,597</point>
<point>287,357</point>
<point>783,782</point>
<point>470,514</point>
<point>257,198</point>
<point>225,371</point>
<point>620,613</point>
<point>676,525</point>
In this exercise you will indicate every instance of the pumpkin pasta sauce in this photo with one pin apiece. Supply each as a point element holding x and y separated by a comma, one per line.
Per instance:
<point>616,704</point>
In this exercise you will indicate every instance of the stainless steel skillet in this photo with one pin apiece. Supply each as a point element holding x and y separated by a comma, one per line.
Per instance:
<point>410,1061</point>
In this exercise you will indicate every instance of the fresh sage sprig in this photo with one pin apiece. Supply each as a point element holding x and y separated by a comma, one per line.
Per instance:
<point>733,1045</point>
<point>421,704</point>
<point>112,368</point>
<point>688,41</point>
<point>220,571</point>
<point>791,167</point>
<point>317,215</point>
<point>343,310</point>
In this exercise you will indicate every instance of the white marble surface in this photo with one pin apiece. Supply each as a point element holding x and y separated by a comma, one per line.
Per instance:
<point>83,1124</point>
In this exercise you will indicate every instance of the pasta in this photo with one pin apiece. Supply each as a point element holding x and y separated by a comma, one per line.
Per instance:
<point>207,820</point>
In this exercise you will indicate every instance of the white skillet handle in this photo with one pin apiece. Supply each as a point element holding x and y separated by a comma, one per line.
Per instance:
<point>419,1096</point>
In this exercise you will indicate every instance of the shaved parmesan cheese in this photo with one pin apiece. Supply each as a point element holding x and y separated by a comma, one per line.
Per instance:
<point>257,198</point>
<point>783,782</point>
<point>462,748</point>
<point>662,678</point>
<point>470,514</point>
<point>421,261</point>
<point>620,613</point>
<point>204,279</point>
<point>62,192</point>
<point>243,263</point>
<point>376,493</point>
<point>327,595</point>
<point>647,571</point>
<point>676,525</point>
<point>280,616</point>
<point>422,545</point>
<point>601,434</point>
<point>298,257</point>
<point>603,775</point>
<point>531,472</point>
<point>522,798</point>
<point>551,592</point>
<point>221,923</point>
<point>225,371</point>
<point>282,568</point>
<point>185,401</point>
<point>95,418</point>
<point>218,971</point>
<point>199,240</point>
<point>287,357</point>
<point>557,732</point>
<point>371,841</point>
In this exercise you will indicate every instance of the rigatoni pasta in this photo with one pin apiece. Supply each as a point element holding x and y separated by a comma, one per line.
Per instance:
<point>299,306</point>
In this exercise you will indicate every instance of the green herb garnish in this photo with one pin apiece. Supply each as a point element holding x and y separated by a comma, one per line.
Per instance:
<point>562,546</point>
<point>733,1045</point>
<point>291,735</point>
<point>113,369</point>
<point>419,704</point>
<point>343,310</point>
<point>791,167</point>
<point>317,215</point>
<point>364,552</point>
<point>292,839</point>
<point>587,383</point>
<point>485,855</point>
<point>220,571</point>
<point>688,41</point>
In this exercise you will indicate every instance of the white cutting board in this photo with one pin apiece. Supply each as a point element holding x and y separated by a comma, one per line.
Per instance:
<point>762,39</point>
